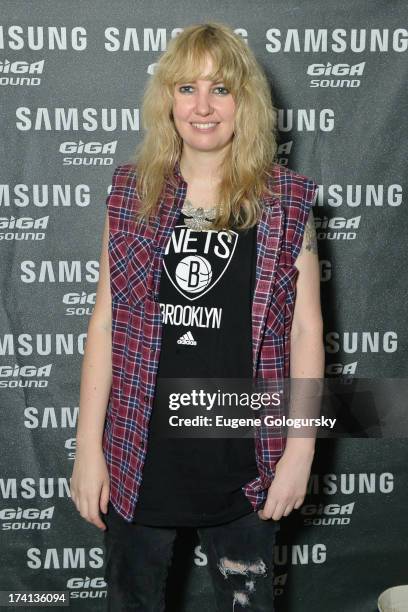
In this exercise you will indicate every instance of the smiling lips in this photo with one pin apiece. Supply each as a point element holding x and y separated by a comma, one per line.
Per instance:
<point>204,127</point>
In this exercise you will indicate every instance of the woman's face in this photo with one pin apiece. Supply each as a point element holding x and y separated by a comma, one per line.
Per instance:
<point>204,113</point>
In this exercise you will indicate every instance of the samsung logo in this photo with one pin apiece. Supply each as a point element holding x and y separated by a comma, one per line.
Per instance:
<point>144,39</point>
<point>349,484</point>
<point>22,195</point>
<point>75,119</point>
<point>363,342</point>
<point>42,344</point>
<point>37,38</point>
<point>30,488</point>
<point>62,271</point>
<point>338,40</point>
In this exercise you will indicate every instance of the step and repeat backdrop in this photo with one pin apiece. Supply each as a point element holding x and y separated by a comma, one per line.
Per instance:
<point>72,76</point>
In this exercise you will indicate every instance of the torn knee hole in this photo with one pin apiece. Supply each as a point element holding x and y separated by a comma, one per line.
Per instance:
<point>245,568</point>
<point>241,598</point>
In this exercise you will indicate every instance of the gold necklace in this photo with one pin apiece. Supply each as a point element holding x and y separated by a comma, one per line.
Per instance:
<point>198,218</point>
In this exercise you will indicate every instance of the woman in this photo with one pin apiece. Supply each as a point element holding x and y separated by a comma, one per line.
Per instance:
<point>197,279</point>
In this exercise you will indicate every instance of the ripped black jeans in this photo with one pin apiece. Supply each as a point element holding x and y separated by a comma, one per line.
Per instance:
<point>240,562</point>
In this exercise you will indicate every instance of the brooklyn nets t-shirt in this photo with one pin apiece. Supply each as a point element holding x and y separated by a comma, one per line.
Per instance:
<point>205,297</point>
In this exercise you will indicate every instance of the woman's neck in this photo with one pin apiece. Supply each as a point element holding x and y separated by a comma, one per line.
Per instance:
<point>201,167</point>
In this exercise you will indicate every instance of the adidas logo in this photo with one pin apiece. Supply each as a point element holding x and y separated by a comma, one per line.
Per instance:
<point>186,338</point>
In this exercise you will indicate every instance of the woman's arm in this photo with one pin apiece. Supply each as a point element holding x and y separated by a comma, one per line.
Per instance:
<point>306,339</point>
<point>288,488</point>
<point>96,372</point>
<point>90,478</point>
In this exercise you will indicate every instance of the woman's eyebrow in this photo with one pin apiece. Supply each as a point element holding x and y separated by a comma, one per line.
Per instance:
<point>194,83</point>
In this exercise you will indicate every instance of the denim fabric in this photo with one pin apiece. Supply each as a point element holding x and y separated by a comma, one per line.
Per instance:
<point>240,563</point>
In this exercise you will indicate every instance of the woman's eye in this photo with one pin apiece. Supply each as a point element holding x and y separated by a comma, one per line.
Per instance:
<point>185,88</point>
<point>221,90</point>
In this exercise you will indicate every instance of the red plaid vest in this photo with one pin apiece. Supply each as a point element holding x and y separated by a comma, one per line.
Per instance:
<point>135,260</point>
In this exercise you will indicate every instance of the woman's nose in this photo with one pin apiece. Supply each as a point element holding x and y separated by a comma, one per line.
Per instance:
<point>203,105</point>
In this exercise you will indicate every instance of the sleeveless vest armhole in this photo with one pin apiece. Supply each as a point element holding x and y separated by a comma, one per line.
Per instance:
<point>112,201</point>
<point>308,199</point>
<point>121,197</point>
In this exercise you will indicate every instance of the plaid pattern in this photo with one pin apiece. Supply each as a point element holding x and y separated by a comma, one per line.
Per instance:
<point>135,259</point>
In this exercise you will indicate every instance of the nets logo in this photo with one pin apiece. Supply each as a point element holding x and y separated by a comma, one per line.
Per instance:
<point>193,274</point>
<point>20,72</point>
<point>346,72</point>
<point>88,153</point>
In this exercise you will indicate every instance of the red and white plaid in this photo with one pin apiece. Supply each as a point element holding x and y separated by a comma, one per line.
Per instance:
<point>135,259</point>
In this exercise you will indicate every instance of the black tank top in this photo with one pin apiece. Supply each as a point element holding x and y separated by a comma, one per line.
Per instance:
<point>205,296</point>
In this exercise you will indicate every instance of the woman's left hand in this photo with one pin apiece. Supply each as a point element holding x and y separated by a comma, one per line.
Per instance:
<point>288,488</point>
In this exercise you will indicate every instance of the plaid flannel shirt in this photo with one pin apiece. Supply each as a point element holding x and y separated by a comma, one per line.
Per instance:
<point>135,259</point>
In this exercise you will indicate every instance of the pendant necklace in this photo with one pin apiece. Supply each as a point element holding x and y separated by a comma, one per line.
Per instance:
<point>198,218</point>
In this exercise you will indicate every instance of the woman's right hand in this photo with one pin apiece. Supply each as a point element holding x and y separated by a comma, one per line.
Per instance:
<point>89,485</point>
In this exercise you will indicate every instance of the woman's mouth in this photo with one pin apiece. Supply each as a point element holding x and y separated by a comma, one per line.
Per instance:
<point>204,127</point>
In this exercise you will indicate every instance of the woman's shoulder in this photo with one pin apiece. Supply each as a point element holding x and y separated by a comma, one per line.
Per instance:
<point>285,178</point>
<point>290,187</point>
<point>296,193</point>
<point>123,193</point>
<point>123,173</point>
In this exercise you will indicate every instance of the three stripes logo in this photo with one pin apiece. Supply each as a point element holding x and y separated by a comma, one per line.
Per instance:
<point>187,338</point>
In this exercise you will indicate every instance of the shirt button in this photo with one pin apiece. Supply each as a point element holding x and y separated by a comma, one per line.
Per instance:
<point>146,397</point>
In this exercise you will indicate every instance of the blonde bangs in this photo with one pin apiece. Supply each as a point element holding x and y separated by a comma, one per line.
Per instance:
<point>189,56</point>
